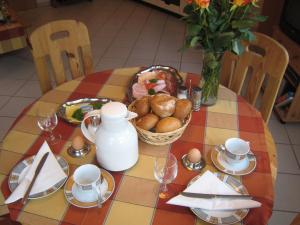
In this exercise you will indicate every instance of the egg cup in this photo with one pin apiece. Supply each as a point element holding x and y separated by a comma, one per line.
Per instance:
<point>78,153</point>
<point>192,166</point>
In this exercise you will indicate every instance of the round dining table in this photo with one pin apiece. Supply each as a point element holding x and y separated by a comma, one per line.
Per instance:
<point>135,200</point>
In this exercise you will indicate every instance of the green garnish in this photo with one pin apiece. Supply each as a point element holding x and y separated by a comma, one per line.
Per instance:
<point>78,114</point>
<point>151,91</point>
<point>153,80</point>
<point>97,105</point>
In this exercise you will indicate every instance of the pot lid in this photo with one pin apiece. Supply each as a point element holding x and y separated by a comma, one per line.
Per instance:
<point>114,110</point>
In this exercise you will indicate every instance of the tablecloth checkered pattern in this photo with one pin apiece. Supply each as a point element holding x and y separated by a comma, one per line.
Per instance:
<point>12,37</point>
<point>135,200</point>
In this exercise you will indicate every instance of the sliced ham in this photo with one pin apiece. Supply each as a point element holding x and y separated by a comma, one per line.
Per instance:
<point>139,90</point>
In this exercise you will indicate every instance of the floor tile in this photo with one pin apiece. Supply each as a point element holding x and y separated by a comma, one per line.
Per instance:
<point>297,152</point>
<point>189,56</point>
<point>15,106</point>
<point>168,54</point>
<point>273,116</point>
<point>3,100</point>
<point>191,67</point>
<point>30,89</point>
<point>174,64</point>
<point>287,162</point>
<point>145,44</point>
<point>142,53</point>
<point>279,132</point>
<point>287,193</point>
<point>124,41</point>
<point>115,52</point>
<point>293,130</point>
<point>24,53</point>
<point>110,63</point>
<point>10,86</point>
<point>281,218</point>
<point>5,122</point>
<point>132,62</point>
<point>8,68</point>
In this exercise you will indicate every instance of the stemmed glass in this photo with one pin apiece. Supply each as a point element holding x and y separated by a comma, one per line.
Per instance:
<point>47,121</point>
<point>165,171</point>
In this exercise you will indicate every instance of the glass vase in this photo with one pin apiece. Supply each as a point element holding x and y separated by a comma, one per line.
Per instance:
<point>211,75</point>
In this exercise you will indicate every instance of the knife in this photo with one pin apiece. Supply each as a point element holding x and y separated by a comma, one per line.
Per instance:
<point>209,196</point>
<point>36,173</point>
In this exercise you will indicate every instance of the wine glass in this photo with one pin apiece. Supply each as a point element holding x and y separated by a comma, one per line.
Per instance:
<point>165,171</point>
<point>47,121</point>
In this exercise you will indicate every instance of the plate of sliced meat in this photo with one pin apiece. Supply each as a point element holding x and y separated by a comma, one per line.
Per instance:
<point>153,80</point>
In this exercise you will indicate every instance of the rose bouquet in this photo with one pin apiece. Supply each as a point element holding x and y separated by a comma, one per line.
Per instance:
<point>218,26</point>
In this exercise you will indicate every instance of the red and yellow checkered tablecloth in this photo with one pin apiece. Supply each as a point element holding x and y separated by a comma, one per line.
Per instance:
<point>12,37</point>
<point>135,200</point>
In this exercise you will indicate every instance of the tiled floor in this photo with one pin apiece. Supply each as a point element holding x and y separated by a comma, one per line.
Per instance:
<point>128,33</point>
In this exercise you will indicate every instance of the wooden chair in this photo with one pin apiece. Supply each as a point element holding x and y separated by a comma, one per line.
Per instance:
<point>52,40</point>
<point>263,58</point>
<point>296,220</point>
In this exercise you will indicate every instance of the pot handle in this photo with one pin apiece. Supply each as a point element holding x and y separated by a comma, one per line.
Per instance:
<point>131,115</point>
<point>87,133</point>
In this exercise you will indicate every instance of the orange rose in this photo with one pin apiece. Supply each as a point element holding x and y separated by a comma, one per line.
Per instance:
<point>243,2</point>
<point>202,3</point>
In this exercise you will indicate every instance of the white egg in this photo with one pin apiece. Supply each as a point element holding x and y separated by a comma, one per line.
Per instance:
<point>194,155</point>
<point>78,142</point>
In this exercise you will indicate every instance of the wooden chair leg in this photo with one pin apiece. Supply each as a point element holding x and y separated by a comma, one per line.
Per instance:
<point>296,220</point>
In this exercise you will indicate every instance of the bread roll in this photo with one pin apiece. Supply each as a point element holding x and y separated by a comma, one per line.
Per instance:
<point>142,106</point>
<point>163,105</point>
<point>182,109</point>
<point>148,121</point>
<point>167,124</point>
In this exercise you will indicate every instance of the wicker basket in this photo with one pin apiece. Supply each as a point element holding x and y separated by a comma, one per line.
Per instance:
<point>159,138</point>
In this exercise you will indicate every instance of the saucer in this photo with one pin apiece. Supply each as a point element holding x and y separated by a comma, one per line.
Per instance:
<point>246,166</point>
<point>108,181</point>
<point>19,171</point>
<point>223,216</point>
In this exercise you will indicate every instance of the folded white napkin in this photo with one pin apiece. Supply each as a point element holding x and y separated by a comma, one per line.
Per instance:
<point>50,174</point>
<point>208,183</point>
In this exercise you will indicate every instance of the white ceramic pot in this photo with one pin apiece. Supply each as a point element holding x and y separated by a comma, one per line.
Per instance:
<point>116,138</point>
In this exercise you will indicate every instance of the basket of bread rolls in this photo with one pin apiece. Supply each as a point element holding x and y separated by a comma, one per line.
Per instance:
<point>161,119</point>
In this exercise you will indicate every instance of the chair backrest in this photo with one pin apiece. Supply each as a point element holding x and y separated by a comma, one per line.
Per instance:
<point>260,68</point>
<point>53,39</point>
<point>296,220</point>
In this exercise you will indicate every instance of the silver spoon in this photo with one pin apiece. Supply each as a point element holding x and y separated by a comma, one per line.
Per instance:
<point>100,199</point>
<point>250,154</point>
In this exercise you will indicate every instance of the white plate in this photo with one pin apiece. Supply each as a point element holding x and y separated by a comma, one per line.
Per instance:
<point>244,167</point>
<point>21,168</point>
<point>108,184</point>
<point>221,216</point>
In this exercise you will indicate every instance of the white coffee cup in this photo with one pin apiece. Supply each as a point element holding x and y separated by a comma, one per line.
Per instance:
<point>236,150</point>
<point>87,180</point>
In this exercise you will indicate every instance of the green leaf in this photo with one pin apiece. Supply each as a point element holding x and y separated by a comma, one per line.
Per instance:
<point>223,40</point>
<point>151,91</point>
<point>153,80</point>
<point>241,24</point>
<point>188,9</point>
<point>194,41</point>
<point>248,35</point>
<point>259,18</point>
<point>193,29</point>
<point>237,47</point>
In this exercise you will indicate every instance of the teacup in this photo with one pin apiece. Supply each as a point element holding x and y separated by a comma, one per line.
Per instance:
<point>236,150</point>
<point>87,180</point>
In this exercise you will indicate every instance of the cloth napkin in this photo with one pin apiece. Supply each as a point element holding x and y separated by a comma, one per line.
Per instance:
<point>208,183</point>
<point>50,174</point>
